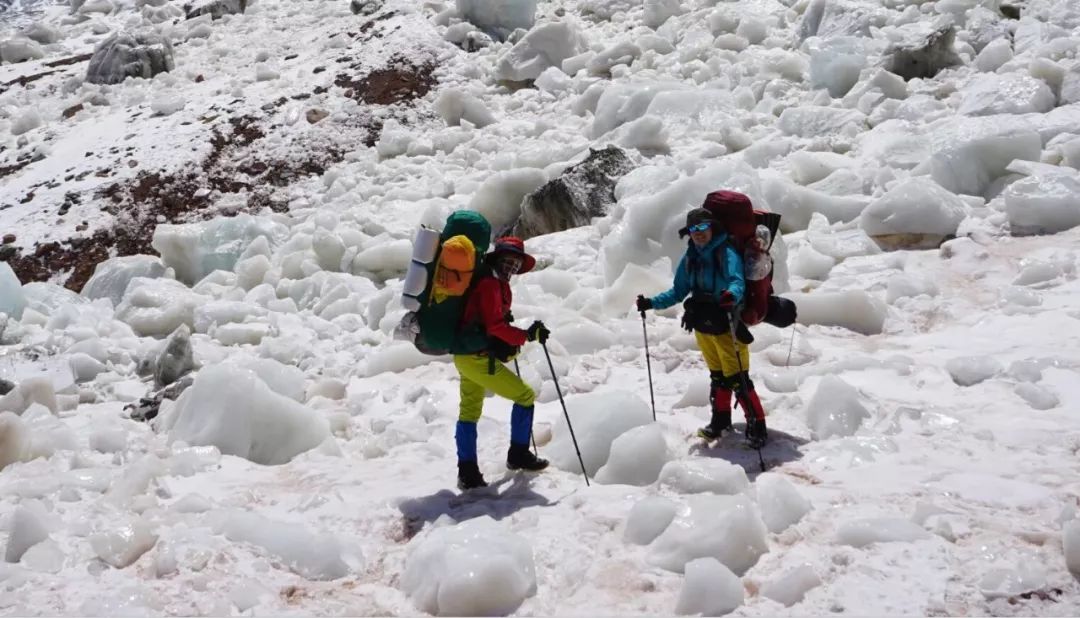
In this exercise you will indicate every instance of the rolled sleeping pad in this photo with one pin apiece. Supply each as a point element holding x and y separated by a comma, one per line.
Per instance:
<point>425,248</point>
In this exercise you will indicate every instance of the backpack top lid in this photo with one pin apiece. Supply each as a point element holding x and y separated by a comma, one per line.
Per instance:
<point>734,212</point>
<point>470,224</point>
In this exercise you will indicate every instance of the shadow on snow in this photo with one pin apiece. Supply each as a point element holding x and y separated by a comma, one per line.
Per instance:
<point>502,498</point>
<point>781,448</point>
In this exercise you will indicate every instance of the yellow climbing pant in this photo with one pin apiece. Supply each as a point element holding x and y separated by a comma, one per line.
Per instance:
<point>719,353</point>
<point>475,380</point>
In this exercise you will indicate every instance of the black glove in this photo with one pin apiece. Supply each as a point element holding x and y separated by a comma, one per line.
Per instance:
<point>538,332</point>
<point>643,304</point>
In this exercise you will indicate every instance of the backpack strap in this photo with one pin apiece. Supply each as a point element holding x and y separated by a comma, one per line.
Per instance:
<point>692,262</point>
<point>491,348</point>
<point>473,327</point>
<point>693,265</point>
<point>482,272</point>
<point>719,259</point>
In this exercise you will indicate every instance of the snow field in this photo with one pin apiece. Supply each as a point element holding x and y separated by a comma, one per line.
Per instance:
<point>919,410</point>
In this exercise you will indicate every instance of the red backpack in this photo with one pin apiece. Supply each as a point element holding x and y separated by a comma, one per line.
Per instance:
<point>734,214</point>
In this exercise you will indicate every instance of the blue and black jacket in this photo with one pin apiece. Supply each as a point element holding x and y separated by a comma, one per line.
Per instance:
<point>706,272</point>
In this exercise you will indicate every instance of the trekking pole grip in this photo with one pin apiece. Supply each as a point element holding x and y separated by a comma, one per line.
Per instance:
<point>566,414</point>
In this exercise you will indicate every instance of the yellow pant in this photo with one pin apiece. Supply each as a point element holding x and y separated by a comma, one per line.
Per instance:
<point>719,352</point>
<point>475,380</point>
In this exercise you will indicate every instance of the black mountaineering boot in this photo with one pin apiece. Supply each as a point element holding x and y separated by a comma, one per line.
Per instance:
<point>519,457</point>
<point>720,422</point>
<point>756,432</point>
<point>720,403</point>
<point>468,475</point>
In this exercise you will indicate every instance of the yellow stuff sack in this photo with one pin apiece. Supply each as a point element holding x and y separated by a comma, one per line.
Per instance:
<point>454,269</point>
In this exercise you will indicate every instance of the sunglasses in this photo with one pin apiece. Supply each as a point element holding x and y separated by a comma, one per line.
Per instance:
<point>700,227</point>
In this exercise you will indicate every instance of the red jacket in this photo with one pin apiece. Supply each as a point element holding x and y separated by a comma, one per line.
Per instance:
<point>488,305</point>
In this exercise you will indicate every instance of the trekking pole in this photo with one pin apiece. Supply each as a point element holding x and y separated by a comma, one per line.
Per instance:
<point>517,370</point>
<point>648,364</point>
<point>566,414</point>
<point>745,386</point>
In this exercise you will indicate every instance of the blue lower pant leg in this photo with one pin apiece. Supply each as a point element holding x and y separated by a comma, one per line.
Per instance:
<point>521,420</point>
<point>465,436</point>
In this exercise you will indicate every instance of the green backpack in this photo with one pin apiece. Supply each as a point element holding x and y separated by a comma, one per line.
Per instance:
<point>462,245</point>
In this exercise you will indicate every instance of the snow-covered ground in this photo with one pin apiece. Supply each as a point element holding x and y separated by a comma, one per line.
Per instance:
<point>924,436</point>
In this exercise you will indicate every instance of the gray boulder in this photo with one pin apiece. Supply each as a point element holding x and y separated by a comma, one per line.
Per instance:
<point>216,9</point>
<point>126,54</point>
<point>176,359</point>
<point>583,191</point>
<point>365,7</point>
<point>6,386</point>
<point>475,41</point>
<point>147,408</point>
<point>924,56</point>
